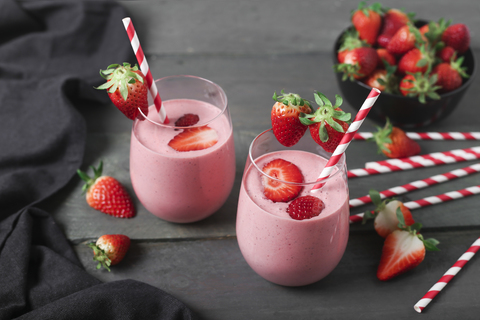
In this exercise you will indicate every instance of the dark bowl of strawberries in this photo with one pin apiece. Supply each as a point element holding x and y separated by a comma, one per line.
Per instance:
<point>422,68</point>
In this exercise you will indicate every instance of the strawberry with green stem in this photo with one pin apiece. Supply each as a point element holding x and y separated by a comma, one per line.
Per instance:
<point>357,63</point>
<point>384,214</point>
<point>384,79</point>
<point>457,36</point>
<point>420,85</point>
<point>349,41</point>
<point>403,250</point>
<point>328,123</point>
<point>450,74</point>
<point>367,20</point>
<point>110,249</point>
<point>393,142</point>
<point>106,194</point>
<point>127,88</point>
<point>285,114</point>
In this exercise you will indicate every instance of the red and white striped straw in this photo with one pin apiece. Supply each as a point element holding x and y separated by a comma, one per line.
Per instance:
<point>142,61</point>
<point>428,135</point>
<point>445,279</point>
<point>347,138</point>
<point>418,184</point>
<point>428,160</point>
<point>428,201</point>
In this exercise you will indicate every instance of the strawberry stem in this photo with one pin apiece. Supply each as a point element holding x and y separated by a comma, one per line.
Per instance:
<point>100,256</point>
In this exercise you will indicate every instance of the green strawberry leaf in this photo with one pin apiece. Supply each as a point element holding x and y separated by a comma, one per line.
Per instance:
<point>322,132</point>
<point>431,244</point>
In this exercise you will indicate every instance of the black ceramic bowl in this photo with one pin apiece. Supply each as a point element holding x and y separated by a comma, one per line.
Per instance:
<point>405,112</point>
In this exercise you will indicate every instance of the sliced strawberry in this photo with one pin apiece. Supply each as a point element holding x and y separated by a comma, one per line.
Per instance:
<point>187,120</point>
<point>285,171</point>
<point>403,250</point>
<point>305,207</point>
<point>194,139</point>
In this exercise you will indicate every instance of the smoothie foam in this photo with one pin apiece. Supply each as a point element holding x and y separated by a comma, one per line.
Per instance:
<point>182,186</point>
<point>287,251</point>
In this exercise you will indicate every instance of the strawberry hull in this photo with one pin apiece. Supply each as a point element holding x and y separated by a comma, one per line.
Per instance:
<point>182,187</point>
<point>283,250</point>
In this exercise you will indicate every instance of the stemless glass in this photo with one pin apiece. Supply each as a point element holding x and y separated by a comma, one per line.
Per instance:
<point>280,249</point>
<point>183,186</point>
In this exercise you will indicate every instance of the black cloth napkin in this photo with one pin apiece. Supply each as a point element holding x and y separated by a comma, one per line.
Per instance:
<point>50,54</point>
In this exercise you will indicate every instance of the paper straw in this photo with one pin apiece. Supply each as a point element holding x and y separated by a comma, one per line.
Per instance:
<point>418,184</point>
<point>428,160</point>
<point>142,61</point>
<point>445,279</point>
<point>428,135</point>
<point>347,138</point>
<point>428,201</point>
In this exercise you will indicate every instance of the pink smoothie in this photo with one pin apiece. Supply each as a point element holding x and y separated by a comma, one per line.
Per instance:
<point>182,186</point>
<point>283,250</point>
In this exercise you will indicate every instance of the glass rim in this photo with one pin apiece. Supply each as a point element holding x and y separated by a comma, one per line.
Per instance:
<point>339,165</point>
<point>200,124</point>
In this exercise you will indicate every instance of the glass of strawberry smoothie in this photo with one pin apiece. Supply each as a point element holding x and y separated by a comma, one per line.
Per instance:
<point>279,248</point>
<point>184,171</point>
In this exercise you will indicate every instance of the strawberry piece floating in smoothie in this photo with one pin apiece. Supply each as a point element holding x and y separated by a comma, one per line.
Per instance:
<point>194,139</point>
<point>282,170</point>
<point>305,207</point>
<point>187,120</point>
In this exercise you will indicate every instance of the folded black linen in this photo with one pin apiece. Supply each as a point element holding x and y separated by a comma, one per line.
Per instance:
<point>50,54</point>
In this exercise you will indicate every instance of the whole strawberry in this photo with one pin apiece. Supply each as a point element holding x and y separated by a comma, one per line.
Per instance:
<point>349,41</point>
<point>358,63</point>
<point>416,60</point>
<point>404,40</point>
<point>403,250</point>
<point>394,143</point>
<point>285,114</point>
<point>449,75</point>
<point>393,20</point>
<point>457,36</point>
<point>127,88</point>
<point>328,123</point>
<point>383,79</point>
<point>420,85</point>
<point>106,194</point>
<point>385,214</point>
<point>367,21</point>
<point>110,249</point>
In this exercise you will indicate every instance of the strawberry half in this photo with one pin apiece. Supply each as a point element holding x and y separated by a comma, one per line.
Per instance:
<point>194,139</point>
<point>110,249</point>
<point>127,88</point>
<point>393,142</point>
<point>385,214</point>
<point>305,207</point>
<point>106,194</point>
<point>403,250</point>
<point>328,123</point>
<point>285,114</point>
<point>282,170</point>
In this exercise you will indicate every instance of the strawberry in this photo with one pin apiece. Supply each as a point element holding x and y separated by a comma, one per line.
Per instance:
<point>383,79</point>
<point>106,194</point>
<point>305,207</point>
<point>457,36</point>
<point>449,75</point>
<point>110,249</point>
<point>127,88</point>
<point>357,63</point>
<point>447,54</point>
<point>367,21</point>
<point>187,120</point>
<point>285,114</point>
<point>385,214</point>
<point>349,41</point>
<point>328,123</point>
<point>282,170</point>
<point>393,20</point>
<point>404,40</point>
<point>194,139</point>
<point>403,250</point>
<point>416,60</point>
<point>394,143</point>
<point>419,85</point>
<point>385,56</point>
<point>433,31</point>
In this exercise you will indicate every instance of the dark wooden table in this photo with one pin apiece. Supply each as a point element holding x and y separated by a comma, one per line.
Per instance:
<point>253,48</point>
